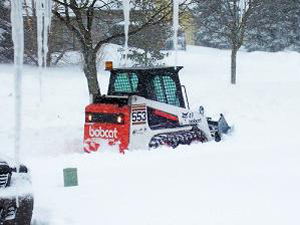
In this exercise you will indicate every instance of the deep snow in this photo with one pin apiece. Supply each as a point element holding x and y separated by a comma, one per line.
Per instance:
<point>252,177</point>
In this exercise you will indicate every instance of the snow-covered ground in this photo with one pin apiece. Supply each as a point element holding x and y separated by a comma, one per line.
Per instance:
<point>252,177</point>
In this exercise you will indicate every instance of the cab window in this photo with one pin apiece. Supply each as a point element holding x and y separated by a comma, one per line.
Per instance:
<point>165,90</point>
<point>125,83</point>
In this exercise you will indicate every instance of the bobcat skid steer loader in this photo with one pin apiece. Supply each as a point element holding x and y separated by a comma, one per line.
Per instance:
<point>146,108</point>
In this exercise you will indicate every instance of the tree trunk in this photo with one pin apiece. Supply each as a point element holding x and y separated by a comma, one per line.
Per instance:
<point>90,71</point>
<point>233,65</point>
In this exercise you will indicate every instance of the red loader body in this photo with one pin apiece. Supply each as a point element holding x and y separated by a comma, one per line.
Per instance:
<point>106,123</point>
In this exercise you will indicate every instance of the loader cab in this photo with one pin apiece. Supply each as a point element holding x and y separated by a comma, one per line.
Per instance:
<point>160,84</point>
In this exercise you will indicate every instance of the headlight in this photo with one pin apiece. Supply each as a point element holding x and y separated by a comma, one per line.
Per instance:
<point>120,119</point>
<point>88,117</point>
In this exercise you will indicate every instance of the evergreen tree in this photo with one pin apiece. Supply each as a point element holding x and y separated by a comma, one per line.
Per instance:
<point>6,44</point>
<point>151,40</point>
<point>210,30</point>
<point>272,29</point>
<point>274,26</point>
<point>294,18</point>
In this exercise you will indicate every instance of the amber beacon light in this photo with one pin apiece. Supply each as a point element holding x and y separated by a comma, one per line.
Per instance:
<point>108,65</point>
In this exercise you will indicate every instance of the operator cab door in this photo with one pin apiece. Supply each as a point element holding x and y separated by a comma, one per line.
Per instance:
<point>161,85</point>
<point>166,89</point>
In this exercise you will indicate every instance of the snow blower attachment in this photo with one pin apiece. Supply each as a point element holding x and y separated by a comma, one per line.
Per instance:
<point>146,108</point>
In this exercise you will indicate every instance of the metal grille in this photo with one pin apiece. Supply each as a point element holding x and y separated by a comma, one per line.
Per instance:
<point>171,91</point>
<point>3,180</point>
<point>158,88</point>
<point>166,90</point>
<point>126,82</point>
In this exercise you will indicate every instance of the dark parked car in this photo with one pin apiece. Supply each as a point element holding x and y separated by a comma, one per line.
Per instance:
<point>15,188</point>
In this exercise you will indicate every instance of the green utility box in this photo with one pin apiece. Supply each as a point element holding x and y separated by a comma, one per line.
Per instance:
<point>70,177</point>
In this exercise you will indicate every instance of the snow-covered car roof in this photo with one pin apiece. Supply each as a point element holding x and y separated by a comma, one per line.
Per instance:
<point>7,159</point>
